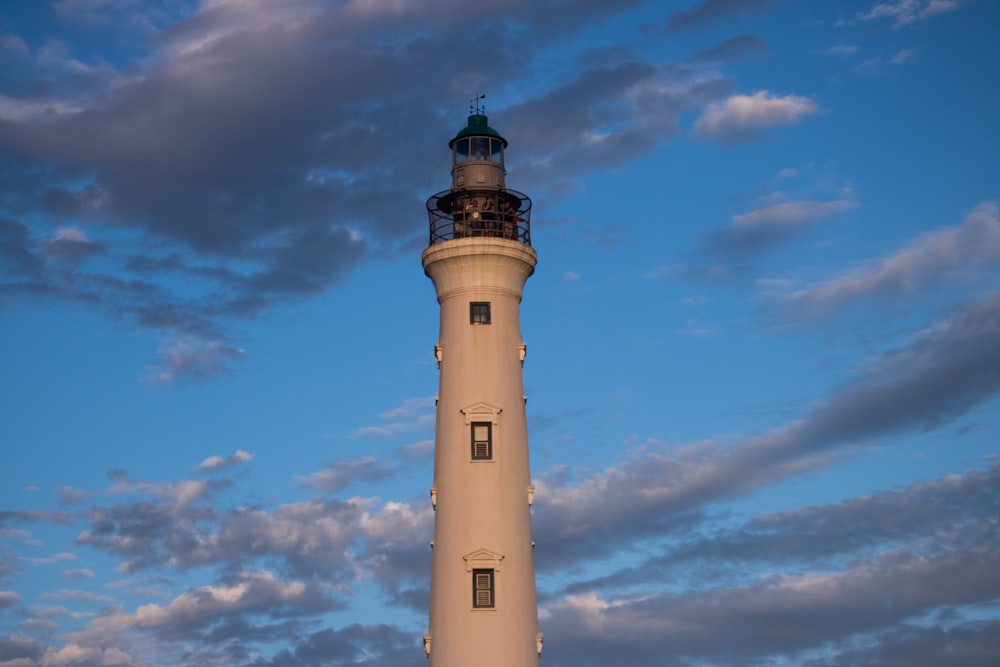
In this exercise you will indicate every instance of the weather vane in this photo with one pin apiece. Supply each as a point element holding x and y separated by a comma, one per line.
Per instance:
<point>476,106</point>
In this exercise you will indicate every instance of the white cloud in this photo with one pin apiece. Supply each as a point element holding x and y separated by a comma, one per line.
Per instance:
<point>213,463</point>
<point>740,117</point>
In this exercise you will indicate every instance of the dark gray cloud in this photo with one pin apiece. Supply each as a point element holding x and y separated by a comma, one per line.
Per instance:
<point>952,513</point>
<point>338,475</point>
<point>938,376</point>
<point>776,616</point>
<point>368,646</point>
<point>13,647</point>
<point>733,49</point>
<point>711,11</point>
<point>771,225</point>
<point>974,644</point>
<point>257,158</point>
<point>177,526</point>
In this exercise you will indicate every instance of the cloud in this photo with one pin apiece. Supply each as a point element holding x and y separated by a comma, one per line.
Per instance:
<point>876,65</point>
<point>216,615</point>
<point>906,12</point>
<point>79,574</point>
<point>942,372</point>
<point>781,615</point>
<point>352,645</point>
<point>932,258</point>
<point>217,463</point>
<point>711,11</point>
<point>842,50</point>
<point>338,475</point>
<point>71,245</point>
<point>78,595</point>
<point>192,358</point>
<point>947,514</point>
<point>176,526</point>
<point>67,495</point>
<point>14,648</point>
<point>774,223</point>
<point>732,50</point>
<point>913,644</point>
<point>741,117</point>
<point>414,413</point>
<point>9,599</point>
<point>253,154</point>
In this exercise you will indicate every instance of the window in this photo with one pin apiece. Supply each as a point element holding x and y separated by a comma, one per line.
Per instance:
<point>482,440</point>
<point>482,589</point>
<point>479,312</point>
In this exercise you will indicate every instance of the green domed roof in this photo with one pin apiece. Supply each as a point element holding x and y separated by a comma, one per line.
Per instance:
<point>477,127</point>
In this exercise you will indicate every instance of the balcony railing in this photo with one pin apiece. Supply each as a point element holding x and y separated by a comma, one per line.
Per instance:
<point>459,214</point>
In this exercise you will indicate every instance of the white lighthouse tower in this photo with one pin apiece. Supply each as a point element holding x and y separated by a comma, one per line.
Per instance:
<point>483,607</point>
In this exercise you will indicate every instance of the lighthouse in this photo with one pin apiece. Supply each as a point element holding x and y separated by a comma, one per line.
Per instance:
<point>483,605</point>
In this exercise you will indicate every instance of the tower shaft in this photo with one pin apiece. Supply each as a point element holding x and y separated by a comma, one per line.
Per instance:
<point>483,606</point>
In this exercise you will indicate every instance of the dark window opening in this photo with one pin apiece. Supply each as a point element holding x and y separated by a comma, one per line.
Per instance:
<point>479,312</point>
<point>482,589</point>
<point>482,440</point>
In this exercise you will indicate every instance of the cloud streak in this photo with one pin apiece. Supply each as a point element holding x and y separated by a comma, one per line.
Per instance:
<point>932,258</point>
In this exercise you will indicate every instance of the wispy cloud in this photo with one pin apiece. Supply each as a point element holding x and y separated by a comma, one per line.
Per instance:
<point>905,12</point>
<point>874,65</point>
<point>192,358</point>
<point>932,258</point>
<point>338,475</point>
<point>773,223</point>
<point>217,463</point>
<point>707,12</point>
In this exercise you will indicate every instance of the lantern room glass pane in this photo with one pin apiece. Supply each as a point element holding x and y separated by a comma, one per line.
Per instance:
<point>496,154</point>
<point>480,148</point>
<point>461,150</point>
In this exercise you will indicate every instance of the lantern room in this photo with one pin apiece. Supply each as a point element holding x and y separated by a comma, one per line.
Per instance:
<point>477,156</point>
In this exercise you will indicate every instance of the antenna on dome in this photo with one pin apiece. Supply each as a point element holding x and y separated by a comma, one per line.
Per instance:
<point>475,106</point>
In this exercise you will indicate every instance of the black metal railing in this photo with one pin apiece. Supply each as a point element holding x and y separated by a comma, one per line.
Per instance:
<point>459,214</point>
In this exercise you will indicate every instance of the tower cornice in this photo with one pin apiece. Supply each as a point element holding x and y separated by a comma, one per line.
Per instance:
<point>479,264</point>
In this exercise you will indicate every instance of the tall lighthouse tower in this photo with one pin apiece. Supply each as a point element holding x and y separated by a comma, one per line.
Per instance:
<point>483,608</point>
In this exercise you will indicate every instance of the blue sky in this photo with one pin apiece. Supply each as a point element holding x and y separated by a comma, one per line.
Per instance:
<point>763,334</point>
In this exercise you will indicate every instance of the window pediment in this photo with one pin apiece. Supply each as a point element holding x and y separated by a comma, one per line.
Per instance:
<point>482,559</point>
<point>481,412</point>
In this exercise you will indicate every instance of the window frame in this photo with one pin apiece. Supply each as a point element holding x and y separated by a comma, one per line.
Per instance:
<point>490,573</point>
<point>489,441</point>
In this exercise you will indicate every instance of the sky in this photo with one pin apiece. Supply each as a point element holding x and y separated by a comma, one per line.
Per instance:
<point>763,333</point>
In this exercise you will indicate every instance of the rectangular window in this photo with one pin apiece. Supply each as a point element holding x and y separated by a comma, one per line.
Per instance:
<point>482,589</point>
<point>482,440</point>
<point>479,312</point>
